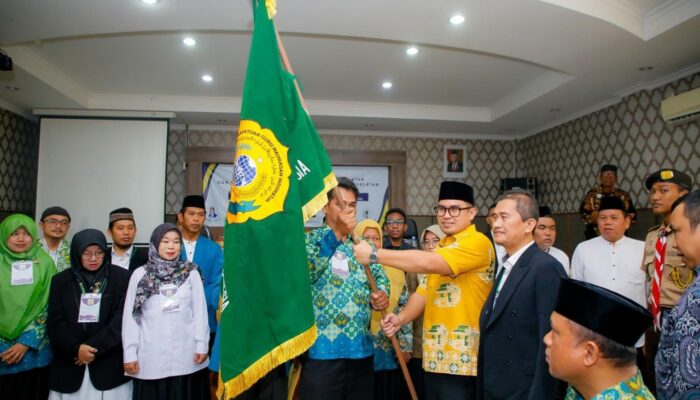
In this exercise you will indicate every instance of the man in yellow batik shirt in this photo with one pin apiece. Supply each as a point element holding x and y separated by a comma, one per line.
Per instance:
<point>460,278</point>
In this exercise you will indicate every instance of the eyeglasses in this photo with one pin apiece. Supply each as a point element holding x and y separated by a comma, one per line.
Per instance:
<point>54,221</point>
<point>97,255</point>
<point>394,222</point>
<point>430,243</point>
<point>454,210</point>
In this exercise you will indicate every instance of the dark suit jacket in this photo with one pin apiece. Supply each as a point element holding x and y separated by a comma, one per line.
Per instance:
<point>66,334</point>
<point>511,352</point>
<point>139,257</point>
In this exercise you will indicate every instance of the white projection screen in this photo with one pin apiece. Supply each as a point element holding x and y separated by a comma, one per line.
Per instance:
<point>93,166</point>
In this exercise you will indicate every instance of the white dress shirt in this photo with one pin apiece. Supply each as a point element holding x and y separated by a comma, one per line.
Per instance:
<point>164,343</point>
<point>189,246</point>
<point>614,266</point>
<point>508,265</point>
<point>561,257</point>
<point>122,261</point>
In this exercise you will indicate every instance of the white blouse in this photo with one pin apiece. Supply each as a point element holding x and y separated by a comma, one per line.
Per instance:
<point>165,343</point>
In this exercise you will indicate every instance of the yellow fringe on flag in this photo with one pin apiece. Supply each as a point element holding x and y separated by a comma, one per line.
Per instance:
<point>286,351</point>
<point>316,204</point>
<point>271,6</point>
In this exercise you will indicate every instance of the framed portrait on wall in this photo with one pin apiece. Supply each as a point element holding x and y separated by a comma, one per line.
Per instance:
<point>454,161</point>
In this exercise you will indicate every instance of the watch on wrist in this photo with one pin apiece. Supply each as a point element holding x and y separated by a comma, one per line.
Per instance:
<point>373,258</point>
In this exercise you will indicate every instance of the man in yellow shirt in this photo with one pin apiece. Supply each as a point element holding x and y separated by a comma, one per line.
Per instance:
<point>460,278</point>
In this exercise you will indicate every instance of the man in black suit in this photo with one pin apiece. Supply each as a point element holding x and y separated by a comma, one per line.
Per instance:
<point>122,230</point>
<point>455,162</point>
<point>515,317</point>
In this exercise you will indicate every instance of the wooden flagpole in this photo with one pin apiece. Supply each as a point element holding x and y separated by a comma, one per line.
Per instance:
<point>337,195</point>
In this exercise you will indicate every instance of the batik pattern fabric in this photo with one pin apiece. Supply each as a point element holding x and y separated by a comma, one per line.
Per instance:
<point>340,293</point>
<point>631,389</point>
<point>384,356</point>
<point>678,357</point>
<point>39,353</point>
<point>63,257</point>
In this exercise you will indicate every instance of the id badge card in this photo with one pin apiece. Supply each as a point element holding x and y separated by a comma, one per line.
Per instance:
<point>89,307</point>
<point>22,273</point>
<point>339,264</point>
<point>169,301</point>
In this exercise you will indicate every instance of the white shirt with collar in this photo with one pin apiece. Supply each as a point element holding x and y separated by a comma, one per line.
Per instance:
<point>560,256</point>
<point>189,246</point>
<point>122,261</point>
<point>164,343</point>
<point>508,265</point>
<point>614,266</point>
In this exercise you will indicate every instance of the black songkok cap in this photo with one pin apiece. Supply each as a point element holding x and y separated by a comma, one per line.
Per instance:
<point>608,167</point>
<point>55,210</point>
<point>451,190</point>
<point>603,311</point>
<point>193,200</point>
<point>545,211</point>
<point>612,203</point>
<point>670,175</point>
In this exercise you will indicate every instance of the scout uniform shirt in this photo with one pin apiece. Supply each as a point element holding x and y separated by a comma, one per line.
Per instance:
<point>631,389</point>
<point>676,277</point>
<point>453,303</point>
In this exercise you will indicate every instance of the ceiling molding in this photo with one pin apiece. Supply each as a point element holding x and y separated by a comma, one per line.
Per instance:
<point>316,107</point>
<point>535,89</point>
<point>35,65</point>
<point>17,110</point>
<point>617,97</point>
<point>420,135</point>
<point>669,14</point>
<point>64,112</point>
<point>659,82</point>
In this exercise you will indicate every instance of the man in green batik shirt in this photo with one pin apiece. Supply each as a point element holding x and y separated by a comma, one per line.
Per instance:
<point>339,364</point>
<point>591,344</point>
<point>55,222</point>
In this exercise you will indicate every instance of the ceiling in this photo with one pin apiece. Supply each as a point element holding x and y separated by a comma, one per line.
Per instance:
<point>513,68</point>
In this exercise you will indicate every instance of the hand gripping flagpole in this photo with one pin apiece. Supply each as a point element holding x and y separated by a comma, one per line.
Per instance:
<point>337,195</point>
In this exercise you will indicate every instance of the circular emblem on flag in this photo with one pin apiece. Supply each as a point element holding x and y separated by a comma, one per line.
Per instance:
<point>260,174</point>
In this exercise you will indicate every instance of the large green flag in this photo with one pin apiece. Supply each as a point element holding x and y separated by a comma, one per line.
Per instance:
<point>281,176</point>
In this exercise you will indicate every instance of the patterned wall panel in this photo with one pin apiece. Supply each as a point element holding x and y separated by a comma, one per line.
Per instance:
<point>487,163</point>
<point>566,159</point>
<point>19,154</point>
<point>175,173</point>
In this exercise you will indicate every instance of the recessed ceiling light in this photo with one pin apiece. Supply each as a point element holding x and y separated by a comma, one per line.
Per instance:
<point>412,51</point>
<point>555,109</point>
<point>188,41</point>
<point>646,68</point>
<point>207,78</point>
<point>457,19</point>
<point>149,2</point>
<point>387,85</point>
<point>12,88</point>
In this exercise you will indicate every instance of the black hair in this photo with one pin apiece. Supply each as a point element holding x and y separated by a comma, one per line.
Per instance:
<point>397,210</point>
<point>619,355</point>
<point>346,184</point>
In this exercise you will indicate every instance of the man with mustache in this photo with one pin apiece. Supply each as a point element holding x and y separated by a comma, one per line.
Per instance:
<point>202,251</point>
<point>55,222</point>
<point>666,271</point>
<point>612,259</point>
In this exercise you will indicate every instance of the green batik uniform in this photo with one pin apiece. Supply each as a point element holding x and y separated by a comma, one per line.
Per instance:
<point>631,389</point>
<point>340,294</point>
<point>62,258</point>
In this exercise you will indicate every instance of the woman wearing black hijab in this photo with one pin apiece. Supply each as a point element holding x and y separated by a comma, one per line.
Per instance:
<point>84,325</point>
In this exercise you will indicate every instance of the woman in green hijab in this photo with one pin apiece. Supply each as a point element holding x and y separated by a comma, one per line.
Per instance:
<point>25,276</point>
